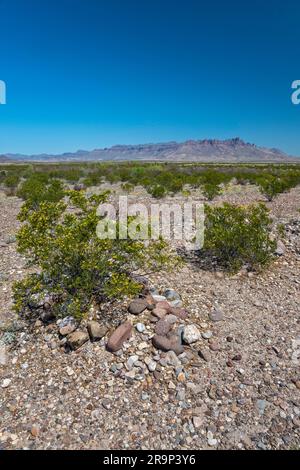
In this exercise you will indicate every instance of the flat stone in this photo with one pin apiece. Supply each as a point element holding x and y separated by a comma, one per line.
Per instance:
<point>77,339</point>
<point>191,334</point>
<point>119,336</point>
<point>137,306</point>
<point>96,331</point>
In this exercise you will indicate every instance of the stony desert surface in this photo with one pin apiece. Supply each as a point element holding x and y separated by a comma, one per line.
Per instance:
<point>236,387</point>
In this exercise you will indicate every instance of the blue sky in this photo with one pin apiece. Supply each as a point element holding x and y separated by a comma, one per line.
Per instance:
<point>84,74</point>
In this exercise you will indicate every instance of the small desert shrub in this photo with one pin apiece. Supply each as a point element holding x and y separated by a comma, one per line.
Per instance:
<point>75,267</point>
<point>270,186</point>
<point>239,236</point>
<point>38,188</point>
<point>211,190</point>
<point>157,191</point>
<point>11,183</point>
<point>128,187</point>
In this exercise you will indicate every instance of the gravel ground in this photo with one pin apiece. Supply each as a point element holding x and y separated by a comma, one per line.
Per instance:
<point>241,392</point>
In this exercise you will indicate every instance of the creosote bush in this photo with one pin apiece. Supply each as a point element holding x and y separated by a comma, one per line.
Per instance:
<point>75,267</point>
<point>38,188</point>
<point>239,236</point>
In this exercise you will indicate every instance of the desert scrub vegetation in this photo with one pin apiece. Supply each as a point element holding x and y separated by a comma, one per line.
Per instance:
<point>75,268</point>
<point>159,179</point>
<point>239,236</point>
<point>38,188</point>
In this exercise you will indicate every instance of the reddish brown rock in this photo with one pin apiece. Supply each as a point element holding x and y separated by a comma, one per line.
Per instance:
<point>179,312</point>
<point>159,312</point>
<point>168,343</point>
<point>162,328</point>
<point>119,336</point>
<point>163,304</point>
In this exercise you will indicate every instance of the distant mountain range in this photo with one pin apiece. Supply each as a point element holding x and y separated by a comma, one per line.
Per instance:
<point>208,151</point>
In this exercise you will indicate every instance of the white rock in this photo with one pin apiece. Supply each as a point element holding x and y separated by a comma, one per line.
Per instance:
<point>207,334</point>
<point>191,334</point>
<point>131,361</point>
<point>159,298</point>
<point>3,356</point>
<point>140,327</point>
<point>6,383</point>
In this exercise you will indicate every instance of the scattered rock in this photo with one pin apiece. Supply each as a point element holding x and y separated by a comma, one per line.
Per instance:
<point>159,312</point>
<point>204,354</point>
<point>165,343</point>
<point>5,383</point>
<point>179,312</point>
<point>191,334</point>
<point>171,295</point>
<point>280,249</point>
<point>3,356</point>
<point>77,339</point>
<point>119,336</point>
<point>162,328</point>
<point>35,430</point>
<point>140,327</point>
<point>132,360</point>
<point>206,334</point>
<point>96,331</point>
<point>137,306</point>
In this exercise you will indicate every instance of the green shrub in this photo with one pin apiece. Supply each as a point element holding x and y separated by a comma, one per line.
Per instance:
<point>157,191</point>
<point>11,183</point>
<point>211,190</point>
<point>238,235</point>
<point>37,188</point>
<point>270,186</point>
<point>75,267</point>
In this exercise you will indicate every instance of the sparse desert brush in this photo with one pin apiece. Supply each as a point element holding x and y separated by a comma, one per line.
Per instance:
<point>38,188</point>
<point>75,267</point>
<point>238,235</point>
<point>10,183</point>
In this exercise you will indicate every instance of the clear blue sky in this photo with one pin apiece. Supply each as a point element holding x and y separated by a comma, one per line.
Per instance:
<point>83,74</point>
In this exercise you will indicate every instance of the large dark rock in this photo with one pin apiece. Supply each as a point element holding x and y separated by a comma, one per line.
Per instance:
<point>137,306</point>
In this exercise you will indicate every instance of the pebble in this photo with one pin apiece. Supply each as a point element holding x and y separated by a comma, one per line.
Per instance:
<point>140,327</point>
<point>131,361</point>
<point>191,334</point>
<point>206,334</point>
<point>6,383</point>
